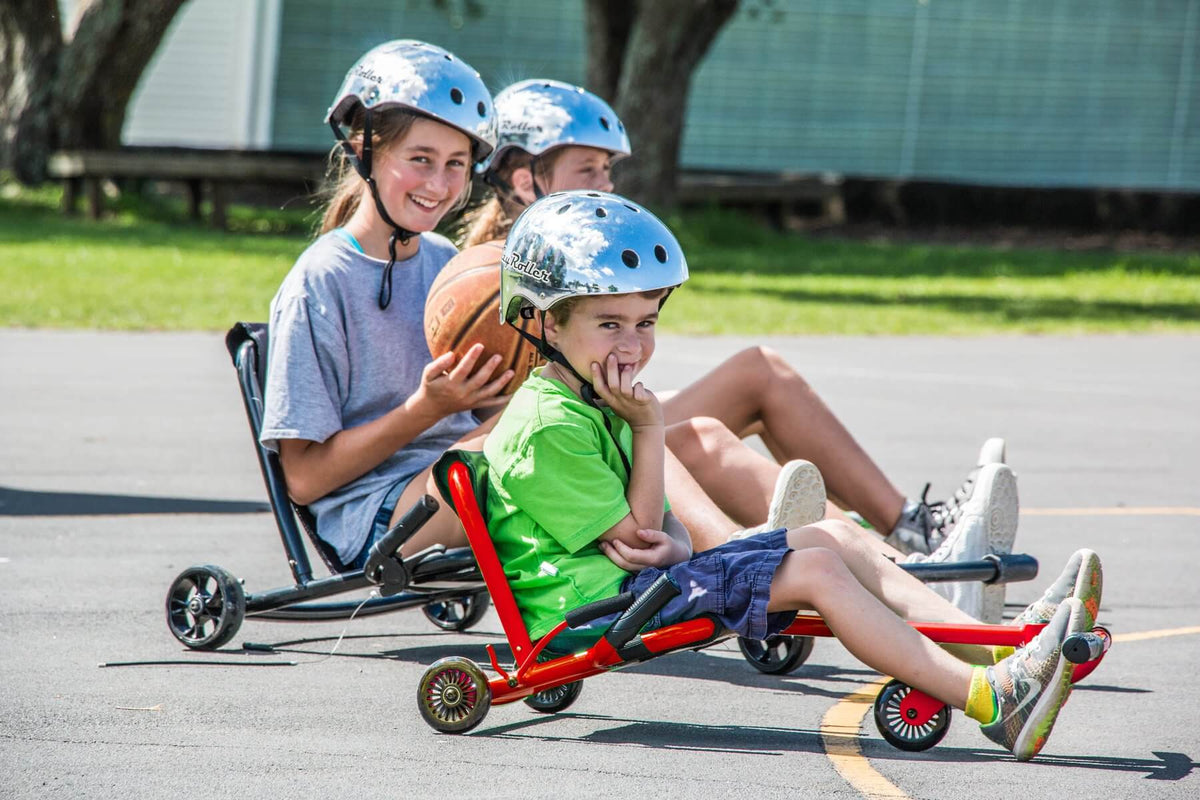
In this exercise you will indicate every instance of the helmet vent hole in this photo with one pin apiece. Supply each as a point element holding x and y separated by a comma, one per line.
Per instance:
<point>621,127</point>
<point>563,209</point>
<point>634,210</point>
<point>630,258</point>
<point>600,212</point>
<point>660,253</point>
<point>448,57</point>
<point>592,194</point>
<point>481,108</point>
<point>456,95</point>
<point>604,123</point>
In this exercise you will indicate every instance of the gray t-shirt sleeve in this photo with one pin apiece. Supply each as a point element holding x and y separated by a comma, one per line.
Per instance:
<point>306,356</point>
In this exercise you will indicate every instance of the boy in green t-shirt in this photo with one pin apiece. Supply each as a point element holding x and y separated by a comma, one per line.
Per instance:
<point>576,504</point>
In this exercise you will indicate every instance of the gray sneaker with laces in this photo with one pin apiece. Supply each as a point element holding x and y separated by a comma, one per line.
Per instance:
<point>924,526</point>
<point>987,524</point>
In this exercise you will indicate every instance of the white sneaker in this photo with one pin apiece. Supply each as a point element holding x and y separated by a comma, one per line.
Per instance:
<point>798,500</point>
<point>987,523</point>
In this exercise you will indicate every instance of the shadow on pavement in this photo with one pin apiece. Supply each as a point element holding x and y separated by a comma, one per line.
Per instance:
<point>25,503</point>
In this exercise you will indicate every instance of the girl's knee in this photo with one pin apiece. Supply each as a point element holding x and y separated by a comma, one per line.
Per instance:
<point>699,437</point>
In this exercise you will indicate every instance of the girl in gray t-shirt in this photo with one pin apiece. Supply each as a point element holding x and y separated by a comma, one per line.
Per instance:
<point>356,406</point>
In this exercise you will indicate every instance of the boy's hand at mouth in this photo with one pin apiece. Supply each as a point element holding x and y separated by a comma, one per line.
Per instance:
<point>632,402</point>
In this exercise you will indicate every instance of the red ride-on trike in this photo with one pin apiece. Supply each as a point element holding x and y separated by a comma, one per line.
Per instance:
<point>455,694</point>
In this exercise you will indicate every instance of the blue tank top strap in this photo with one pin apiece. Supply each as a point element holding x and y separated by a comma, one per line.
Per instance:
<point>349,237</point>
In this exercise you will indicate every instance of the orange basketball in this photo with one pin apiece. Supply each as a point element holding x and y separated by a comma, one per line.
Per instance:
<point>463,308</point>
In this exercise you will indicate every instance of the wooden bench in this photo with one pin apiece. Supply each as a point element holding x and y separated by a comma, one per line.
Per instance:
<point>774,194</point>
<point>213,171</point>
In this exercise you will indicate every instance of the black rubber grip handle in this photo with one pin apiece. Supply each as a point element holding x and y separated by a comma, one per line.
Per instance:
<point>1080,648</point>
<point>391,541</point>
<point>646,606</point>
<point>599,608</point>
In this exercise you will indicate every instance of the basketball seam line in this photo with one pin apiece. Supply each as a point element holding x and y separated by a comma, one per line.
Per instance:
<point>464,329</point>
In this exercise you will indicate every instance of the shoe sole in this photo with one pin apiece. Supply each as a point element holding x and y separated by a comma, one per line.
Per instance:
<point>1089,585</point>
<point>804,499</point>
<point>1036,729</point>
<point>1003,510</point>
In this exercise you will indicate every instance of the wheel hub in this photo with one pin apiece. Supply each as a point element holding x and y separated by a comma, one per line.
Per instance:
<point>452,695</point>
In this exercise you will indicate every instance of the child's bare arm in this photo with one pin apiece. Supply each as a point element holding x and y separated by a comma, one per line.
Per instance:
<point>638,406</point>
<point>649,548</point>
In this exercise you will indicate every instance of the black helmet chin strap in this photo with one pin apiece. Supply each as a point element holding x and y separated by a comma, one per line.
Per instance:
<point>586,390</point>
<point>363,167</point>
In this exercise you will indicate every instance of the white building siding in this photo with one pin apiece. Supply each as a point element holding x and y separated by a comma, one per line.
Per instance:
<point>212,80</point>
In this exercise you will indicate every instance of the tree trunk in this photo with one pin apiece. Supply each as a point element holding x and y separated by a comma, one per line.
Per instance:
<point>114,41</point>
<point>71,94</point>
<point>30,45</point>
<point>665,41</point>
<point>608,23</point>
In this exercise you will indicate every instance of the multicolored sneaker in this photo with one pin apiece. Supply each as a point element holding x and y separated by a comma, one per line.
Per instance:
<point>798,500</point>
<point>1082,578</point>
<point>1032,684</point>
<point>987,524</point>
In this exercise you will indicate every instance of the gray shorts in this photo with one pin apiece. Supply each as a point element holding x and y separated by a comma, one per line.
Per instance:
<point>731,582</point>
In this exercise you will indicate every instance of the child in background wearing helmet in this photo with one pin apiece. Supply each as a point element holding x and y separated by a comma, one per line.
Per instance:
<point>576,490</point>
<point>355,406</point>
<point>554,136</point>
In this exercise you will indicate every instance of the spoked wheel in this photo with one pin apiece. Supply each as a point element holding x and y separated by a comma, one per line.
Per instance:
<point>551,701</point>
<point>776,655</point>
<point>205,607</point>
<point>454,695</point>
<point>908,719</point>
<point>457,613</point>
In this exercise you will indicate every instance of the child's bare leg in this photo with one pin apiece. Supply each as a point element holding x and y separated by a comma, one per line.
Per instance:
<point>882,577</point>
<point>737,478</point>
<point>444,526</point>
<point>758,386</point>
<point>720,468</point>
<point>707,525</point>
<point>817,578</point>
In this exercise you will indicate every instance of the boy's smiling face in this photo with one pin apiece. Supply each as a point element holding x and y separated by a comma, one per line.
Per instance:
<point>620,325</point>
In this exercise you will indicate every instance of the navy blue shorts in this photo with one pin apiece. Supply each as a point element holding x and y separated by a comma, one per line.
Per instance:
<point>382,522</point>
<point>731,582</point>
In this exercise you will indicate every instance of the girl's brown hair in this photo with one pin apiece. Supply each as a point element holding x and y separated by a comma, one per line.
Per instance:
<point>343,188</point>
<point>494,218</point>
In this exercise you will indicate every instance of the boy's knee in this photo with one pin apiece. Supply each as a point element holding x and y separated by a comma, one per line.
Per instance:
<point>820,567</point>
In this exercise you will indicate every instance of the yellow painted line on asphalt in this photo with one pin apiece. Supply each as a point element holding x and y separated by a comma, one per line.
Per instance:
<point>840,732</point>
<point>841,729</point>
<point>1152,511</point>
<point>1159,634</point>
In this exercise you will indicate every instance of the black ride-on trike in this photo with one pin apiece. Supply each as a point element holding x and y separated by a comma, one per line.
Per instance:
<point>206,604</point>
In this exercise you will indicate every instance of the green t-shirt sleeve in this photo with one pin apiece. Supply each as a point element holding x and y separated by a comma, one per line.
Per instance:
<point>562,481</point>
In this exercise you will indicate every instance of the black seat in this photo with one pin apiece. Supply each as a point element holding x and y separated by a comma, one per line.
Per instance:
<point>247,345</point>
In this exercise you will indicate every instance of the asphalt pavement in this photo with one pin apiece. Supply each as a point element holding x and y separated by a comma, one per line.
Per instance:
<point>125,458</point>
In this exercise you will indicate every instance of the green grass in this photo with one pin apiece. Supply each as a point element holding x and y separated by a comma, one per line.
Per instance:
<point>147,268</point>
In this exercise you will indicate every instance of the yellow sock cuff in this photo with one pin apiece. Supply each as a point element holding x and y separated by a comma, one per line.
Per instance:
<point>1001,652</point>
<point>981,700</point>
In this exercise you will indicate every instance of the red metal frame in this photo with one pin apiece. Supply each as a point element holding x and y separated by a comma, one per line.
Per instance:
<point>531,675</point>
